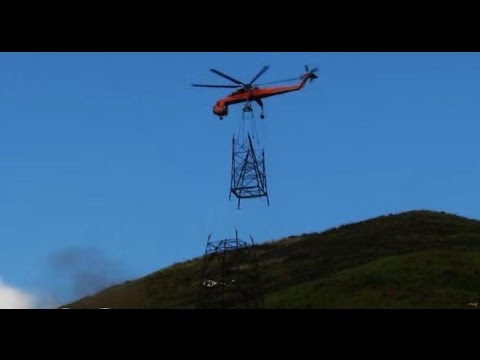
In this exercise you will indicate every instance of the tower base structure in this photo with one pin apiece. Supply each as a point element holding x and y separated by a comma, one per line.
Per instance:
<point>230,277</point>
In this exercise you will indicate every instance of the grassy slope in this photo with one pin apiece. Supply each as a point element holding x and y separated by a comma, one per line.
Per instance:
<point>418,259</point>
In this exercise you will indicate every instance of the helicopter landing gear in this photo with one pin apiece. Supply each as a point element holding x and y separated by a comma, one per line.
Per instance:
<point>260,103</point>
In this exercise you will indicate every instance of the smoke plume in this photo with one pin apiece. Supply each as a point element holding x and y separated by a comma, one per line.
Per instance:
<point>86,270</point>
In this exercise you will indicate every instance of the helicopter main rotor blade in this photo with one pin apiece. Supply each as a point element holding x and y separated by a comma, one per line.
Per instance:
<point>226,77</point>
<point>265,68</point>
<point>218,86</point>
<point>278,81</point>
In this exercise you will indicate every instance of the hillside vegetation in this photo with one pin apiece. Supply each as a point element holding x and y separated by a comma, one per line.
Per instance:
<point>416,259</point>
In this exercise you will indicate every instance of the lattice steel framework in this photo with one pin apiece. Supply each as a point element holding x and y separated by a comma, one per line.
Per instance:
<point>230,276</point>
<point>248,178</point>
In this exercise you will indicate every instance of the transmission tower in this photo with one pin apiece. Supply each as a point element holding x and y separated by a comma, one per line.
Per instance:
<point>230,276</point>
<point>248,178</point>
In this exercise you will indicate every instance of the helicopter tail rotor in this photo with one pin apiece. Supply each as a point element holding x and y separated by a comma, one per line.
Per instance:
<point>311,73</point>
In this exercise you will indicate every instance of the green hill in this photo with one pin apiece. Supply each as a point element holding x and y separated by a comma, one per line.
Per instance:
<point>416,259</point>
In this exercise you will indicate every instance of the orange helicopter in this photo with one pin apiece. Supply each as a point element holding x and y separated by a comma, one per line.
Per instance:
<point>250,92</point>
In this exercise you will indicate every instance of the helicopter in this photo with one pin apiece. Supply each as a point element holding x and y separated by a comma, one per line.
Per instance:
<point>251,92</point>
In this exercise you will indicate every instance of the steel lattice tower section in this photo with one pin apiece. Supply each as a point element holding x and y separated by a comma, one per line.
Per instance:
<point>230,276</point>
<point>248,178</point>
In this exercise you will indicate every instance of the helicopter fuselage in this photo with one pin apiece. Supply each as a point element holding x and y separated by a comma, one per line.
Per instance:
<point>254,94</point>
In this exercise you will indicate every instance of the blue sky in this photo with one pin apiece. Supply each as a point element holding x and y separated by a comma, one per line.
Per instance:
<point>116,152</point>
